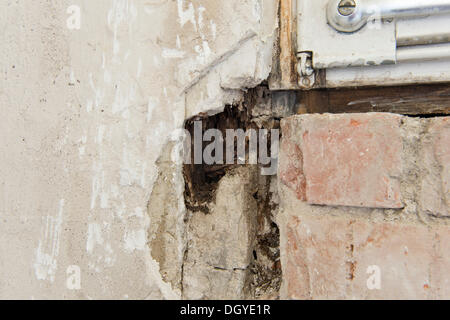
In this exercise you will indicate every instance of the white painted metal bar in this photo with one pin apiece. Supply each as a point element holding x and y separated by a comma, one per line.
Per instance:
<point>365,10</point>
<point>424,52</point>
<point>399,74</point>
<point>424,30</point>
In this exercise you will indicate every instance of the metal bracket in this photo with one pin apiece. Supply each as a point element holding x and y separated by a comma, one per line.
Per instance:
<point>351,15</point>
<point>307,75</point>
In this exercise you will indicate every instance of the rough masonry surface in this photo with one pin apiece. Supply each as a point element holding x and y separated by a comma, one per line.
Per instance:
<point>363,206</point>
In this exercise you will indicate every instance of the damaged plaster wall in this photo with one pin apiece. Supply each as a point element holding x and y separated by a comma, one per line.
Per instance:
<point>232,249</point>
<point>220,242</point>
<point>86,177</point>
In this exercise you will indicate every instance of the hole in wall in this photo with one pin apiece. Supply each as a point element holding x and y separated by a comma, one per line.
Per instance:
<point>202,181</point>
<point>254,112</point>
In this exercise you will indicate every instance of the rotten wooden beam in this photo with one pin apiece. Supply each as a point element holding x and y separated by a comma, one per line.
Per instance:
<point>408,100</point>
<point>284,75</point>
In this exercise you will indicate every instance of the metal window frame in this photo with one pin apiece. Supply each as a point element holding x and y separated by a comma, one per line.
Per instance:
<point>417,50</point>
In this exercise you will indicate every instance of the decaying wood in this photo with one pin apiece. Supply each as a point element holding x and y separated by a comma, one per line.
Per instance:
<point>284,75</point>
<point>409,100</point>
<point>287,56</point>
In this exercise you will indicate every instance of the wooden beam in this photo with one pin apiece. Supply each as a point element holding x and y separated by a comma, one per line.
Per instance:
<point>284,74</point>
<point>409,100</point>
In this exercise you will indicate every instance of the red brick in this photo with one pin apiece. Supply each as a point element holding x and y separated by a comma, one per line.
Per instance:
<point>348,159</point>
<point>403,253</point>
<point>315,252</point>
<point>328,258</point>
<point>290,168</point>
<point>440,280</point>
<point>435,191</point>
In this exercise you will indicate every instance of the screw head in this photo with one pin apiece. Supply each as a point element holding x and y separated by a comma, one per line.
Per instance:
<point>306,82</point>
<point>347,7</point>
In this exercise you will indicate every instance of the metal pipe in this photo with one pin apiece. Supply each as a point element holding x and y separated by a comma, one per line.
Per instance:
<point>428,30</point>
<point>352,15</point>
<point>423,53</point>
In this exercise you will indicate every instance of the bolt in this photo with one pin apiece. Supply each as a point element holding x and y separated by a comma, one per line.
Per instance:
<point>346,7</point>
<point>306,82</point>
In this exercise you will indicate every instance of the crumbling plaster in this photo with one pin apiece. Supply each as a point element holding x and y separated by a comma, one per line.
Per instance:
<point>87,116</point>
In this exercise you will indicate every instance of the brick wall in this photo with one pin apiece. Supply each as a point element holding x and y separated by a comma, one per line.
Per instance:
<point>364,207</point>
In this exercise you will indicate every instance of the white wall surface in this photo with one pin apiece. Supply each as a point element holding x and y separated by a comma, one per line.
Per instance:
<point>86,114</point>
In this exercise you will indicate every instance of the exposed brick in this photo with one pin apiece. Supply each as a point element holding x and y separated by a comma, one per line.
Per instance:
<point>290,168</point>
<point>328,258</point>
<point>435,191</point>
<point>440,280</point>
<point>403,254</point>
<point>348,159</point>
<point>315,252</point>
